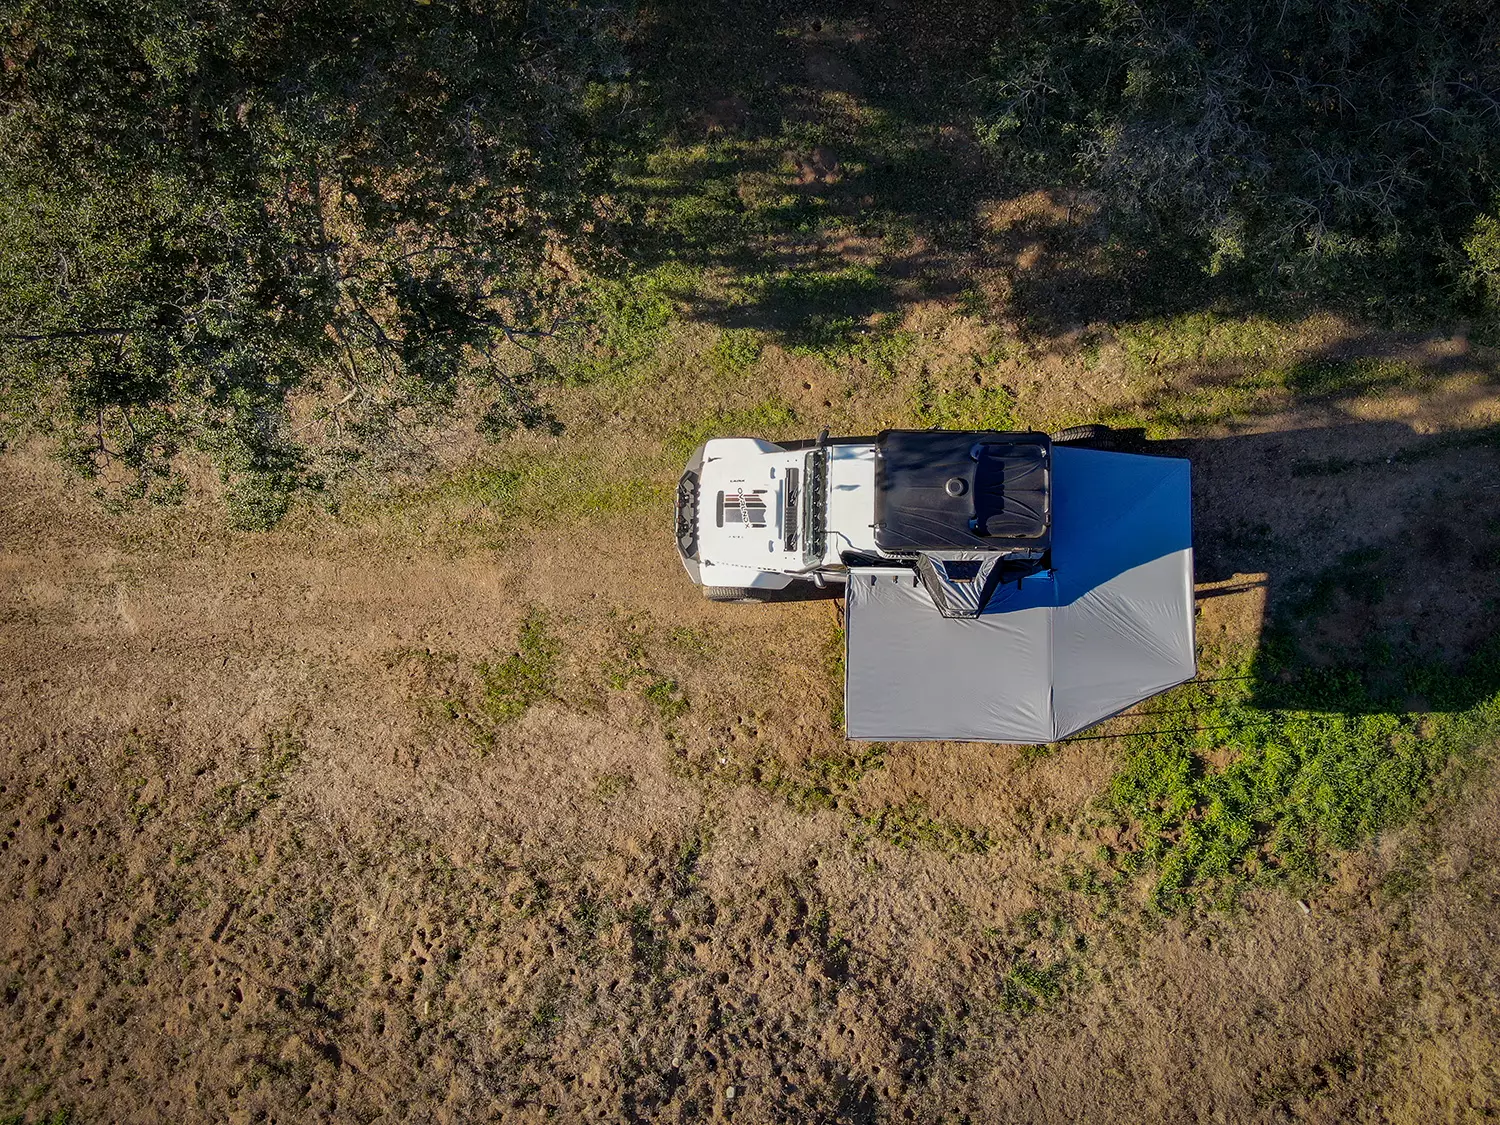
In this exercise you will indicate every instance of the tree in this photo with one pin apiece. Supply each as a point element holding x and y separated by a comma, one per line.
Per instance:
<point>1340,147</point>
<point>289,235</point>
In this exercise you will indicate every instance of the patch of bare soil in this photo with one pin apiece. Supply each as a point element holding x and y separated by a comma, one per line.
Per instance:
<point>272,847</point>
<point>1371,529</point>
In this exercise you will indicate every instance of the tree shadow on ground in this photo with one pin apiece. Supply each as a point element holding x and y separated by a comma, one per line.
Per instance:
<point>1377,550</point>
<point>824,158</point>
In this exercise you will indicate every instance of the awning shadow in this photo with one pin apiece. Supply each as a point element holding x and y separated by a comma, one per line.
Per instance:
<point>1371,554</point>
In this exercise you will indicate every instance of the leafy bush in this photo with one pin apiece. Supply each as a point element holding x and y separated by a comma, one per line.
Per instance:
<point>1295,144</point>
<point>1483,251</point>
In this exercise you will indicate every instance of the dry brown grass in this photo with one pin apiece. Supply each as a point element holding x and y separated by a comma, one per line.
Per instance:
<point>266,855</point>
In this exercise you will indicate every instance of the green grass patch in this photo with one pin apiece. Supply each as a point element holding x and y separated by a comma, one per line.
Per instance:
<point>569,484</point>
<point>1315,758</point>
<point>61,1116</point>
<point>835,656</point>
<point>1241,369</point>
<point>828,313</point>
<point>824,782</point>
<point>912,826</point>
<point>1234,360</point>
<point>770,419</point>
<point>1171,409</point>
<point>642,653</point>
<point>1202,339</point>
<point>735,352</point>
<point>967,406</point>
<point>883,350</point>
<point>621,325</point>
<point>842,290</point>
<point>1027,986</point>
<point>1335,727</point>
<point>608,786</point>
<point>664,694</point>
<point>701,199</point>
<point>510,685</point>
<point>486,696</point>
<point>1344,378</point>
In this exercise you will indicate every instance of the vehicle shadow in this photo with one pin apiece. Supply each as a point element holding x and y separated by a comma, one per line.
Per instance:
<point>803,592</point>
<point>1370,554</point>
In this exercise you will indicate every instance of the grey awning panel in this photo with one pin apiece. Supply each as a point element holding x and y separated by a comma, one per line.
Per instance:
<point>915,674</point>
<point>1111,625</point>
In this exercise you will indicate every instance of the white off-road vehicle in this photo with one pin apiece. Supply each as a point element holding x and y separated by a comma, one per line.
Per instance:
<point>1010,587</point>
<point>964,509</point>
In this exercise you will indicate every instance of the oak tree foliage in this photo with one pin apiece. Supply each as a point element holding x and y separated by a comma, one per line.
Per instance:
<point>301,237</point>
<point>1329,147</point>
<point>289,234</point>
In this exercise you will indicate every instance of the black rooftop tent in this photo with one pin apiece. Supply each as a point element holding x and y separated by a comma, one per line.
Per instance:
<point>940,489</point>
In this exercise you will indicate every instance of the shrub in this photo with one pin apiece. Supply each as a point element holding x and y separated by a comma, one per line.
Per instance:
<point>1296,145</point>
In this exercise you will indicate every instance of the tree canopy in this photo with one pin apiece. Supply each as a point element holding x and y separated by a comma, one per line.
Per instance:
<point>288,235</point>
<point>1330,147</point>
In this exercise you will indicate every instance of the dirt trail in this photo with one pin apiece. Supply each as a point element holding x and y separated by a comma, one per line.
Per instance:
<point>255,866</point>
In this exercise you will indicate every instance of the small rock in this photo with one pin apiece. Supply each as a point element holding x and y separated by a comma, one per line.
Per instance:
<point>729,1093</point>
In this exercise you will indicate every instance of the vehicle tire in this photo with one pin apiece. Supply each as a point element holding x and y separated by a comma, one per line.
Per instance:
<point>729,594</point>
<point>1077,435</point>
<point>1132,439</point>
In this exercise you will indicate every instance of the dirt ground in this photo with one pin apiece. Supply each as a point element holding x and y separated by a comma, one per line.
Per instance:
<point>267,857</point>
